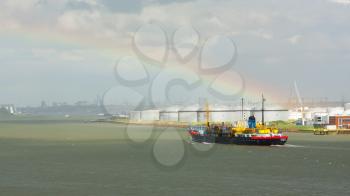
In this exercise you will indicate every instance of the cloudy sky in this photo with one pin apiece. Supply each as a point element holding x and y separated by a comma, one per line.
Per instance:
<point>66,50</point>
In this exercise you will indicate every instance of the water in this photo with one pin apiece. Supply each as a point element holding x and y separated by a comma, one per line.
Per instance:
<point>98,159</point>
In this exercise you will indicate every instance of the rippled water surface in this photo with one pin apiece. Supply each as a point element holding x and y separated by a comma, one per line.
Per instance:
<point>100,159</point>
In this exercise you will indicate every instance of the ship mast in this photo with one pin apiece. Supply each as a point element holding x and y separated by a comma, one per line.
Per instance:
<point>207,113</point>
<point>263,109</point>
<point>242,108</point>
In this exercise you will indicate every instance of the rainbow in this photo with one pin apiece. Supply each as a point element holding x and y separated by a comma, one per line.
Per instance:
<point>108,49</point>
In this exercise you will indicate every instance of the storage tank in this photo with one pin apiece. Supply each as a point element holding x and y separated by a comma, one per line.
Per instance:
<point>335,111</point>
<point>170,114</point>
<point>135,115</point>
<point>346,113</point>
<point>294,115</point>
<point>150,115</point>
<point>318,110</point>
<point>347,106</point>
<point>189,116</point>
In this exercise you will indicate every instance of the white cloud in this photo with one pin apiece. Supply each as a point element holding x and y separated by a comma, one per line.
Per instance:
<point>79,20</point>
<point>260,29</point>
<point>44,52</point>
<point>52,54</point>
<point>344,2</point>
<point>20,5</point>
<point>272,60</point>
<point>75,55</point>
<point>7,52</point>
<point>9,24</point>
<point>90,2</point>
<point>262,34</point>
<point>294,39</point>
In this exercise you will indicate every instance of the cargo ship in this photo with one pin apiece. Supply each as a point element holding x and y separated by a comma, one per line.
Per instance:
<point>243,133</point>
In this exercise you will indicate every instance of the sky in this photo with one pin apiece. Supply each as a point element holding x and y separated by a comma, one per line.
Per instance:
<point>67,50</point>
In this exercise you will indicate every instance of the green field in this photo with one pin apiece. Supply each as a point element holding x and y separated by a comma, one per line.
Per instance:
<point>76,158</point>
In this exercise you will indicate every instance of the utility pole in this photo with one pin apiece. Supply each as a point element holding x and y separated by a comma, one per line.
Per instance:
<point>207,113</point>
<point>242,108</point>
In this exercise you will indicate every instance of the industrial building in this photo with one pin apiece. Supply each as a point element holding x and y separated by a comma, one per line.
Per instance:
<point>333,118</point>
<point>340,122</point>
<point>197,113</point>
<point>10,108</point>
<point>336,117</point>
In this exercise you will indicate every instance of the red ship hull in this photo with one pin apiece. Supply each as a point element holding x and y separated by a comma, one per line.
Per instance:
<point>244,139</point>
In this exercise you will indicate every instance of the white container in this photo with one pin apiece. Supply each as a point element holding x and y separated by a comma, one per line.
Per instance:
<point>331,127</point>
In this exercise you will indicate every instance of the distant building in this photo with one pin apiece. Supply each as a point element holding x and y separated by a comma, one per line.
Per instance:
<point>337,116</point>
<point>10,108</point>
<point>81,103</point>
<point>43,104</point>
<point>196,113</point>
<point>340,122</point>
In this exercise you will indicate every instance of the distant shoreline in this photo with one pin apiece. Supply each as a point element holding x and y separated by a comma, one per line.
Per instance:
<point>93,119</point>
